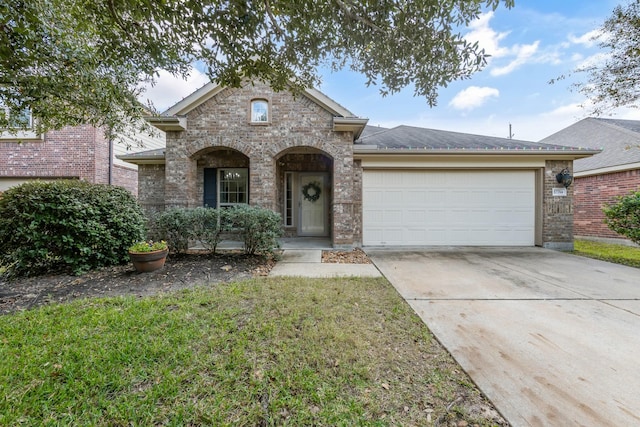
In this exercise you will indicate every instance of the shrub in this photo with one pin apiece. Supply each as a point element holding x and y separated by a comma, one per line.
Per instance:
<point>178,226</point>
<point>67,225</point>
<point>259,228</point>
<point>623,217</point>
<point>208,225</point>
<point>175,227</point>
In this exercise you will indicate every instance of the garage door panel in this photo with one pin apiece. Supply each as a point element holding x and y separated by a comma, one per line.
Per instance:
<point>449,208</point>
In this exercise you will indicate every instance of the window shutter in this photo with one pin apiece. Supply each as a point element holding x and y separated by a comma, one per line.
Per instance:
<point>210,188</point>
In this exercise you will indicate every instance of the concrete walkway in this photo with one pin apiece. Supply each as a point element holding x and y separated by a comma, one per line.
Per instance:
<point>308,263</point>
<point>552,339</point>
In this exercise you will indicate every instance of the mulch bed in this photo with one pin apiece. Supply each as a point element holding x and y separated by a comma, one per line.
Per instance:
<point>179,272</point>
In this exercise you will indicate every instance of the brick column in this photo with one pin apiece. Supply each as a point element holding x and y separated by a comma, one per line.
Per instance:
<point>557,211</point>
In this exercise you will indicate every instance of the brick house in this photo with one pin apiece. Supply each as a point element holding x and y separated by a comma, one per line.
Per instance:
<point>600,179</point>
<point>81,152</point>
<point>330,175</point>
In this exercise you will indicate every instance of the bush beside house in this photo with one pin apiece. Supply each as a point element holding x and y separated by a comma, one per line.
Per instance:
<point>67,225</point>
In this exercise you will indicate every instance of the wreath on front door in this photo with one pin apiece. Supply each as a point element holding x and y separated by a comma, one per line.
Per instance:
<point>311,191</point>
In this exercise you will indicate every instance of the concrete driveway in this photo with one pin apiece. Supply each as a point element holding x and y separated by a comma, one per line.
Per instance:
<point>551,338</point>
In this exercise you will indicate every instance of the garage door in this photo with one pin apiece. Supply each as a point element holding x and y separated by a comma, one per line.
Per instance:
<point>460,208</point>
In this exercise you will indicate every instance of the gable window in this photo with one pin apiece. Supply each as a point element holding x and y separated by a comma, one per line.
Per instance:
<point>259,111</point>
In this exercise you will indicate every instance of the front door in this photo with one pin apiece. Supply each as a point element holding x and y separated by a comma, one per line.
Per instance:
<point>313,202</point>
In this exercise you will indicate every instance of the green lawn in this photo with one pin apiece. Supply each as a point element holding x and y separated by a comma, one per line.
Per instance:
<point>261,352</point>
<point>620,254</point>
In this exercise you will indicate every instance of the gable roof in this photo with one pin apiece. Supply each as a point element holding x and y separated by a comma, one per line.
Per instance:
<point>619,141</point>
<point>174,118</point>
<point>412,139</point>
<point>210,90</point>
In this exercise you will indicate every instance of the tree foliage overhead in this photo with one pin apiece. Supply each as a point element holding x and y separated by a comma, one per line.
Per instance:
<point>85,61</point>
<point>615,82</point>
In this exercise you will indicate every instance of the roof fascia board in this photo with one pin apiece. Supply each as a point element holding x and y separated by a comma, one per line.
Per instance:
<point>350,124</point>
<point>610,169</point>
<point>551,155</point>
<point>192,101</point>
<point>327,103</point>
<point>140,160</point>
<point>164,123</point>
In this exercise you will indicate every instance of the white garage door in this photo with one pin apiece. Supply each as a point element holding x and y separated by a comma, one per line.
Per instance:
<point>459,208</point>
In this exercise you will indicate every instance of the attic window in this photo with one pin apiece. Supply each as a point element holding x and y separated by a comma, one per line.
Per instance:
<point>259,111</point>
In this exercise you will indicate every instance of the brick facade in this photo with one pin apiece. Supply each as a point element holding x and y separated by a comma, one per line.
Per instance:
<point>591,193</point>
<point>298,137</point>
<point>80,152</point>
<point>557,211</point>
<point>298,140</point>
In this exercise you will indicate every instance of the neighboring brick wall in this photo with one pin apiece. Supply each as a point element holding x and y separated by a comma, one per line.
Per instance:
<point>72,152</point>
<point>557,221</point>
<point>296,123</point>
<point>101,157</point>
<point>592,192</point>
<point>65,153</point>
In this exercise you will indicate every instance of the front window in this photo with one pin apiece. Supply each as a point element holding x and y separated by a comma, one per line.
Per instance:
<point>259,111</point>
<point>234,187</point>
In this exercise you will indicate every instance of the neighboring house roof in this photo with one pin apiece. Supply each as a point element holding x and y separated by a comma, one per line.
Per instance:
<point>144,157</point>
<point>410,138</point>
<point>619,141</point>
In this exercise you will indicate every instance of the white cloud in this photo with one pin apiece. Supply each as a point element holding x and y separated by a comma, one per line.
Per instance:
<point>170,89</point>
<point>588,39</point>
<point>523,55</point>
<point>473,97</point>
<point>487,38</point>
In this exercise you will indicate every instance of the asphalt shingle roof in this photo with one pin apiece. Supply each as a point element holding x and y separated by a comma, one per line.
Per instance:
<point>409,137</point>
<point>619,141</point>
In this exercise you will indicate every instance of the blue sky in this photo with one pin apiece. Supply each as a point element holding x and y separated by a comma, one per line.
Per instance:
<point>530,44</point>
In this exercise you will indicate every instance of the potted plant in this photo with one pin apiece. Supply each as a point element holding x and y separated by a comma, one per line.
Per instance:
<point>148,256</point>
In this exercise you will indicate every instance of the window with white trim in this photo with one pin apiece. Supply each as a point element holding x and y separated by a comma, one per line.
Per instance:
<point>233,187</point>
<point>259,111</point>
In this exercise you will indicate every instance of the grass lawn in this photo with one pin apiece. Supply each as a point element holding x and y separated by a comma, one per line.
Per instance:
<point>268,351</point>
<point>620,254</point>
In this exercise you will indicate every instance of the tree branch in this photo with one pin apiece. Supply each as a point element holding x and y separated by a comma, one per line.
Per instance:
<point>357,17</point>
<point>272,18</point>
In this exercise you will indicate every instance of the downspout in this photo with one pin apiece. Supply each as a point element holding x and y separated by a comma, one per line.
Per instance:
<point>110,159</point>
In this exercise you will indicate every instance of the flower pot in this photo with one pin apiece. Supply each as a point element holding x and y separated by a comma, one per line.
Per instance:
<point>145,262</point>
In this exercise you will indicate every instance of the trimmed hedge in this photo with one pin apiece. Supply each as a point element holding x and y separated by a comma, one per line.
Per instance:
<point>179,226</point>
<point>67,225</point>
<point>258,228</point>
<point>623,217</point>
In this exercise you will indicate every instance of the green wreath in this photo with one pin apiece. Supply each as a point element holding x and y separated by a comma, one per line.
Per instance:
<point>311,191</point>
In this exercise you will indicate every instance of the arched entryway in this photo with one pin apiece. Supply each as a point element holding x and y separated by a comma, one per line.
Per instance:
<point>222,177</point>
<point>305,191</point>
